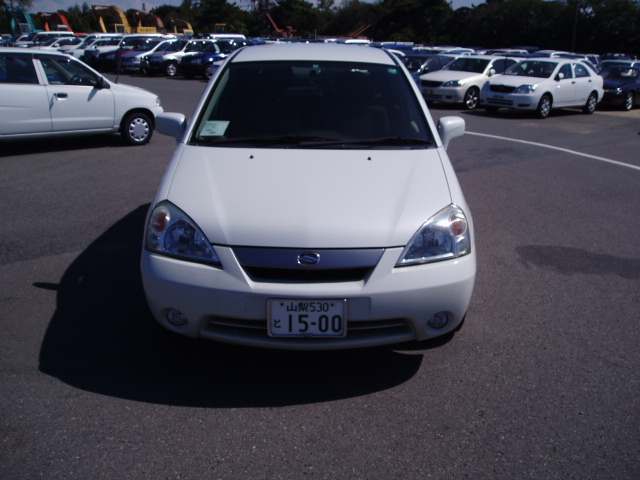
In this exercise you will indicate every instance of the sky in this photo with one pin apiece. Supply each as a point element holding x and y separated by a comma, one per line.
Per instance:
<point>55,5</point>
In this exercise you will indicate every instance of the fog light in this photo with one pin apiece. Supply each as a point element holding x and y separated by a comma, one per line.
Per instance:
<point>176,317</point>
<point>439,320</point>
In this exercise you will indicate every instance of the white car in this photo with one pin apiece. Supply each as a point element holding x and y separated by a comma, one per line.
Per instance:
<point>461,80</point>
<point>540,85</point>
<point>52,94</point>
<point>310,204</point>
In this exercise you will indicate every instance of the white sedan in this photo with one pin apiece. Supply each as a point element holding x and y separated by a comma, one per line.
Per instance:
<point>541,85</point>
<point>310,204</point>
<point>461,80</point>
<point>51,94</point>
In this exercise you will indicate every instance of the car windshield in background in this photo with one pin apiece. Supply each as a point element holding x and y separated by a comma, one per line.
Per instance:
<point>540,69</point>
<point>621,73</point>
<point>298,104</point>
<point>464,64</point>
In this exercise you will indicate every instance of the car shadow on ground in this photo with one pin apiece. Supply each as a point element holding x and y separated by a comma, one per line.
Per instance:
<point>60,144</point>
<point>103,339</point>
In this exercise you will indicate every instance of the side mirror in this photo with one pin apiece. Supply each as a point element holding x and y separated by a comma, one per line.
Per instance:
<point>100,83</point>
<point>492,72</point>
<point>172,124</point>
<point>450,128</point>
<point>559,77</point>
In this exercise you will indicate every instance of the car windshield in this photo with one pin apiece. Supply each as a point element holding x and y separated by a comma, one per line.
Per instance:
<point>532,68</point>
<point>298,104</point>
<point>621,73</point>
<point>468,64</point>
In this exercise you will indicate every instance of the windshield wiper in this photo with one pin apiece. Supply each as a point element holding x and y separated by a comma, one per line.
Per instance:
<point>286,141</point>
<point>301,141</point>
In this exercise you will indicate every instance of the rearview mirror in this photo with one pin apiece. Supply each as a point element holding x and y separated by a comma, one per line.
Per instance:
<point>450,128</point>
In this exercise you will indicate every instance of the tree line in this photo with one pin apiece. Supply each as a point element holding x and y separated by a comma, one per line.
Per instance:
<point>588,26</point>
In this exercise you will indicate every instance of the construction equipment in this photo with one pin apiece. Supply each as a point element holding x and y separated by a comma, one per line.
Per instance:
<point>111,19</point>
<point>54,22</point>
<point>21,22</point>
<point>181,27</point>
<point>287,32</point>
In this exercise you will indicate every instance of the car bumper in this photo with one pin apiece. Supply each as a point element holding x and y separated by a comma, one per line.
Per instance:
<point>392,305</point>
<point>444,94</point>
<point>506,100</point>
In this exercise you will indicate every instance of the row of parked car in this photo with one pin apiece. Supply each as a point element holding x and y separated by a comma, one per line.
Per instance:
<point>539,81</point>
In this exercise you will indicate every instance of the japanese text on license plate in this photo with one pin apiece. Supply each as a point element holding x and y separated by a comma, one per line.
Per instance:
<point>307,318</point>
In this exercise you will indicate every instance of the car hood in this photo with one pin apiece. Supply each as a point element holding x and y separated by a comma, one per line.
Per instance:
<point>515,80</point>
<point>448,75</point>
<point>611,83</point>
<point>307,198</point>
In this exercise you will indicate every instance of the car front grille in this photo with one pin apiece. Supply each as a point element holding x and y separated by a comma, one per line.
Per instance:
<point>502,89</point>
<point>430,83</point>
<point>283,265</point>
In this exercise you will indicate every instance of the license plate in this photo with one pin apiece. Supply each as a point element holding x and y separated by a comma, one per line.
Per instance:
<point>498,97</point>
<point>307,318</point>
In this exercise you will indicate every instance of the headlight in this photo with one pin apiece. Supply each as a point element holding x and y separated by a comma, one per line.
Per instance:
<point>525,89</point>
<point>443,237</point>
<point>171,232</point>
<point>453,83</point>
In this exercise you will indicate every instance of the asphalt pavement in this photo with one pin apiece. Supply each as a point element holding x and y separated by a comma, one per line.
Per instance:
<point>543,381</point>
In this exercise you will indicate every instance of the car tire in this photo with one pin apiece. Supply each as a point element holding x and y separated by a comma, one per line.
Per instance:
<point>171,69</point>
<point>629,101</point>
<point>544,106</point>
<point>592,103</point>
<point>137,128</point>
<point>205,72</point>
<point>471,98</point>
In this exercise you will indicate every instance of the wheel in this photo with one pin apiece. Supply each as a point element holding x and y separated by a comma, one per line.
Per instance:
<point>629,101</point>
<point>171,69</point>
<point>206,73</point>
<point>137,128</point>
<point>544,107</point>
<point>471,98</point>
<point>592,103</point>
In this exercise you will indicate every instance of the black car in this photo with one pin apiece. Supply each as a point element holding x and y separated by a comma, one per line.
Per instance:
<point>621,86</point>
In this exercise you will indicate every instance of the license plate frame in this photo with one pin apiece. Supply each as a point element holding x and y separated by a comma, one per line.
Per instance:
<point>306,318</point>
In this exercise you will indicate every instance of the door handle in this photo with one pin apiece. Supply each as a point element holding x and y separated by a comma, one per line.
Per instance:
<point>60,95</point>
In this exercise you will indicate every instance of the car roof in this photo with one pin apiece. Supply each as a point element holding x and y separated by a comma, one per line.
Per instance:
<point>314,51</point>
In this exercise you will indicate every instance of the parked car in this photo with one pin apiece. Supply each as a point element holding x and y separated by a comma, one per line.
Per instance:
<point>419,64</point>
<point>36,38</point>
<point>541,85</point>
<point>106,58</point>
<point>56,43</point>
<point>621,86</point>
<point>198,63</point>
<point>269,227</point>
<point>89,44</point>
<point>603,65</point>
<point>461,80</point>
<point>132,62</point>
<point>167,60</point>
<point>53,94</point>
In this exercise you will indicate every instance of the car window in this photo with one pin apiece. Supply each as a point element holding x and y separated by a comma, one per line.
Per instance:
<point>17,69</point>
<point>532,68</point>
<point>64,71</point>
<point>566,71</point>
<point>468,64</point>
<point>581,71</point>
<point>499,66</point>
<point>317,101</point>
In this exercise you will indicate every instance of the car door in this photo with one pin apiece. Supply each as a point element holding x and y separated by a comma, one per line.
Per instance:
<point>76,101</point>
<point>565,87</point>
<point>584,83</point>
<point>24,105</point>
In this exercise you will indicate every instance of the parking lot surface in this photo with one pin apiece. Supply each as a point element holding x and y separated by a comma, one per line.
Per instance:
<point>541,383</point>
